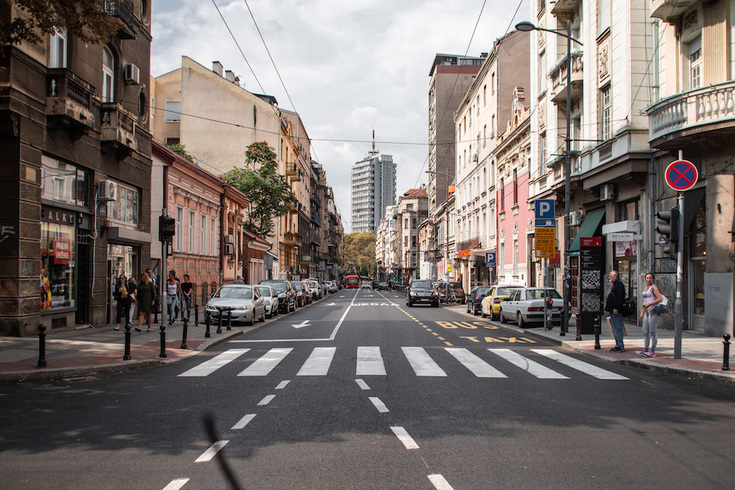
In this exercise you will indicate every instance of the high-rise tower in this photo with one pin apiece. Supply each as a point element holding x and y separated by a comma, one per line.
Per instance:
<point>373,188</point>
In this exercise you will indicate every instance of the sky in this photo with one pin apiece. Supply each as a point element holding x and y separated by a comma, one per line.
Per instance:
<point>348,66</point>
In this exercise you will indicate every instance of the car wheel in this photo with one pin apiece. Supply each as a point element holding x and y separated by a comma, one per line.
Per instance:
<point>519,319</point>
<point>483,314</point>
<point>501,316</point>
<point>252,319</point>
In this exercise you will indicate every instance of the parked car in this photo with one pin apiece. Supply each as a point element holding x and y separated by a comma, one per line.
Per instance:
<point>366,285</point>
<point>491,301</point>
<point>271,300</point>
<point>526,305</point>
<point>331,286</point>
<point>285,292</point>
<point>245,301</point>
<point>451,291</point>
<point>383,286</point>
<point>422,291</point>
<point>474,299</point>
<point>316,288</point>
<point>300,295</point>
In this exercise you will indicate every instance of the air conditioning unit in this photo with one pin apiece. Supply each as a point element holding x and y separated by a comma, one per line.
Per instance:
<point>575,218</point>
<point>229,239</point>
<point>229,249</point>
<point>106,191</point>
<point>132,74</point>
<point>607,192</point>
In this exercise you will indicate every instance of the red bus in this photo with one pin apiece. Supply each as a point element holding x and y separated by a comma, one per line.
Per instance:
<point>352,281</point>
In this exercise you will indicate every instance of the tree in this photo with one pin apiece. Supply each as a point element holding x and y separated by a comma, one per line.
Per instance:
<point>84,19</point>
<point>360,253</point>
<point>180,150</point>
<point>267,190</point>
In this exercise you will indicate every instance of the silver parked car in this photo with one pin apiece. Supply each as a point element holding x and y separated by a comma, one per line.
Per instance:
<point>271,300</point>
<point>244,301</point>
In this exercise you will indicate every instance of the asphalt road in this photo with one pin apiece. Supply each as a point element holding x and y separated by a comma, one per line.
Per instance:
<point>360,391</point>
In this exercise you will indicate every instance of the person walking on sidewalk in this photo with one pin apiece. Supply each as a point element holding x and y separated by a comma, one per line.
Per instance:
<point>614,306</point>
<point>147,297</point>
<point>173,290</point>
<point>186,297</point>
<point>649,315</point>
<point>132,290</point>
<point>123,300</point>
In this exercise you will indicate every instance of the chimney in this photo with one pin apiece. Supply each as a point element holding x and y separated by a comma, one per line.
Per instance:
<point>217,67</point>
<point>519,96</point>
<point>229,75</point>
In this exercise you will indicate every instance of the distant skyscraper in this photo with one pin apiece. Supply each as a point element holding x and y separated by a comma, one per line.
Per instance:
<point>373,188</point>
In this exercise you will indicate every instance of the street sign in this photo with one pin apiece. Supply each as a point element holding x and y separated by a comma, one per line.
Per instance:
<point>681,175</point>
<point>490,259</point>
<point>545,240</point>
<point>544,211</point>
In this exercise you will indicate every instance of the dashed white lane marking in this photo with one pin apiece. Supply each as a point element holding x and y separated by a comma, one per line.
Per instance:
<point>369,361</point>
<point>439,482</point>
<point>266,400</point>
<point>422,363</point>
<point>211,452</point>
<point>532,367</point>
<point>379,404</point>
<point>283,384</point>
<point>362,384</point>
<point>318,362</point>
<point>479,368</point>
<point>208,367</point>
<point>176,484</point>
<point>243,421</point>
<point>403,436</point>
<point>266,363</point>
<point>582,366</point>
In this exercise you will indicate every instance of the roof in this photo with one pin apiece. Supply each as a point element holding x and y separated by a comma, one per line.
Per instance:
<point>416,193</point>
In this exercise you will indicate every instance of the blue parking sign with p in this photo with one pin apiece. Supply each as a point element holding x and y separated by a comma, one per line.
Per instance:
<point>545,213</point>
<point>490,258</point>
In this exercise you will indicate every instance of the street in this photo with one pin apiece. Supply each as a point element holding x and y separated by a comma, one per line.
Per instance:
<point>361,391</point>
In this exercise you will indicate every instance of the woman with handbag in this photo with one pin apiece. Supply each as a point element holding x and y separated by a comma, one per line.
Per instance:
<point>649,314</point>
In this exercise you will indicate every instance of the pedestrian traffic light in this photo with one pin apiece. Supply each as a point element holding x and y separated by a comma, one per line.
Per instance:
<point>669,227</point>
<point>166,228</point>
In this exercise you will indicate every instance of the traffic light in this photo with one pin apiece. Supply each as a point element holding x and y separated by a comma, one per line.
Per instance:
<point>669,227</point>
<point>166,228</point>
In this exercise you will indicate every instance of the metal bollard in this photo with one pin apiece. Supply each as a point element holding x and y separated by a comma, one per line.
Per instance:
<point>598,329</point>
<point>726,353</point>
<point>42,345</point>
<point>196,314</point>
<point>184,332</point>
<point>155,315</point>
<point>219,320</point>
<point>229,318</point>
<point>207,323</point>
<point>126,355</point>
<point>163,342</point>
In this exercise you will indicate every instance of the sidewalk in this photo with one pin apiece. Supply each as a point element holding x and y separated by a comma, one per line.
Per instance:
<point>701,356</point>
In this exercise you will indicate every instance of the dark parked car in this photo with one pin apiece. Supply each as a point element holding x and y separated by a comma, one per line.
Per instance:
<point>285,292</point>
<point>474,299</point>
<point>300,296</point>
<point>422,291</point>
<point>451,292</point>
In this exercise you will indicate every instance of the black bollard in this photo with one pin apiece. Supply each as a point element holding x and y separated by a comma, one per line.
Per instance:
<point>163,342</point>
<point>207,323</point>
<point>196,314</point>
<point>185,331</point>
<point>726,354</point>
<point>126,355</point>
<point>229,318</point>
<point>598,327</point>
<point>42,346</point>
<point>219,320</point>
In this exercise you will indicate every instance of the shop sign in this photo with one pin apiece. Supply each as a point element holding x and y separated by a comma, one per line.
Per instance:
<point>58,216</point>
<point>62,251</point>
<point>464,253</point>
<point>306,258</point>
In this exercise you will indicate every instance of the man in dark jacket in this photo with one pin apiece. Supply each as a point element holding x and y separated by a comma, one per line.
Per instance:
<point>614,306</point>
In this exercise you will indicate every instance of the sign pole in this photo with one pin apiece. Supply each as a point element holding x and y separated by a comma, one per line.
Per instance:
<point>679,305</point>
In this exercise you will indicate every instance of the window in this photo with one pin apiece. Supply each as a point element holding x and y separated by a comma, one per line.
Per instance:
<point>179,229</point>
<point>212,240</point>
<point>541,71</point>
<point>108,75</point>
<point>63,182</point>
<point>695,63</point>
<point>502,195</point>
<point>478,105</point>
<point>125,209</point>
<point>484,136</point>
<point>57,50</point>
<point>492,84</point>
<point>203,236</point>
<point>515,187</point>
<point>492,126</point>
<point>605,114</point>
<point>172,112</point>
<point>484,95</point>
<point>542,153</point>
<point>603,15</point>
<point>192,234</point>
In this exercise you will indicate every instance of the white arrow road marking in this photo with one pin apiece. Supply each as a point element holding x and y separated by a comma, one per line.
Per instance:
<point>303,324</point>
<point>331,304</point>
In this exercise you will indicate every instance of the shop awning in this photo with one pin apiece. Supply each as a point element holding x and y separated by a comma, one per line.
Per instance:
<point>589,227</point>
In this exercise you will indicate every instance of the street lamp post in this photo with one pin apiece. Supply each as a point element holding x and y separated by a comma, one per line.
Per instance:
<point>446,226</point>
<point>527,26</point>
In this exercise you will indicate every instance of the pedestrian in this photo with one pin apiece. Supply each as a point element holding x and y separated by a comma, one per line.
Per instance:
<point>239,280</point>
<point>132,290</point>
<point>146,298</point>
<point>614,306</point>
<point>649,315</point>
<point>123,300</point>
<point>186,296</point>
<point>173,290</point>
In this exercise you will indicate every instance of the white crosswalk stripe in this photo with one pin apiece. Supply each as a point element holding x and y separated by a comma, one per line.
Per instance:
<point>422,363</point>
<point>264,365</point>
<point>532,367</point>
<point>479,368</point>
<point>369,361</point>
<point>208,367</point>
<point>582,366</point>
<point>318,362</point>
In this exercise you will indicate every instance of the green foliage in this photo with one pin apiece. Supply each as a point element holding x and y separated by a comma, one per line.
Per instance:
<point>180,150</point>
<point>267,190</point>
<point>84,19</point>
<point>359,255</point>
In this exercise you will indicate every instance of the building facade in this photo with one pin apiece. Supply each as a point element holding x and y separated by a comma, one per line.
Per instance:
<point>373,189</point>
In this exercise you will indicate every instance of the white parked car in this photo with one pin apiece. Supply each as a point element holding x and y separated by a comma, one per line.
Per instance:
<point>271,300</point>
<point>316,288</point>
<point>244,301</point>
<point>526,305</point>
<point>331,286</point>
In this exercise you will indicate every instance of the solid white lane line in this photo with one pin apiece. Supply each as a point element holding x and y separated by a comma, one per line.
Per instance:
<point>176,484</point>
<point>585,367</point>
<point>208,367</point>
<point>344,315</point>
<point>479,368</point>
<point>283,384</point>
<point>379,404</point>
<point>532,367</point>
<point>403,436</point>
<point>266,363</point>
<point>266,400</point>
<point>318,362</point>
<point>422,363</point>
<point>211,452</point>
<point>243,421</point>
<point>439,482</point>
<point>362,384</point>
<point>369,361</point>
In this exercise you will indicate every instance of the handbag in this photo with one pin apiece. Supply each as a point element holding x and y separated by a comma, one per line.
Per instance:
<point>663,306</point>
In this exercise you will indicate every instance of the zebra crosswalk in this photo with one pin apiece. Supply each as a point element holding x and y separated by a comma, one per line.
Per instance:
<point>501,363</point>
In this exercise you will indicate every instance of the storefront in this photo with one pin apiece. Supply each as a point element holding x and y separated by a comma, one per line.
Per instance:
<point>58,246</point>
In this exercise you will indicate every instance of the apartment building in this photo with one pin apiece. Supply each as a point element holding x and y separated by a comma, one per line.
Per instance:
<point>373,189</point>
<point>413,209</point>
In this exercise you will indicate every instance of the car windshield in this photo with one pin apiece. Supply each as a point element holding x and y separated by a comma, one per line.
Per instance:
<point>481,291</point>
<point>296,285</point>
<point>237,293</point>
<point>421,284</point>
<point>278,287</point>
<point>454,285</point>
<point>266,292</point>
<point>505,291</point>
<point>541,294</point>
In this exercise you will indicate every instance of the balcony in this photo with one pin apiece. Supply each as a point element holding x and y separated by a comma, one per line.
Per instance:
<point>670,10</point>
<point>125,11</point>
<point>292,172</point>
<point>565,7</point>
<point>316,239</point>
<point>685,117</point>
<point>558,76</point>
<point>316,199</point>
<point>69,102</point>
<point>117,128</point>
<point>316,220</point>
<point>291,239</point>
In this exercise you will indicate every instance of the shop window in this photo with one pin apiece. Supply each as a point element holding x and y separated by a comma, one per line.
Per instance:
<point>57,266</point>
<point>124,210</point>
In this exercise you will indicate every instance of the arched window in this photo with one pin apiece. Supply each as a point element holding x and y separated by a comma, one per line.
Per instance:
<point>108,75</point>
